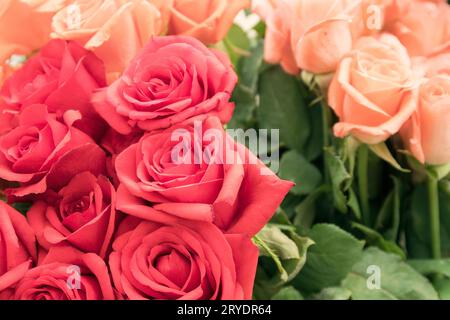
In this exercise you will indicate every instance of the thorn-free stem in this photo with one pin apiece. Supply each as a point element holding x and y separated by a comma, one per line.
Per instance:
<point>363,186</point>
<point>433,206</point>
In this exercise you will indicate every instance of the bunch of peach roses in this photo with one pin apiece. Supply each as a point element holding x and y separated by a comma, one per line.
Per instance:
<point>390,60</point>
<point>383,66</point>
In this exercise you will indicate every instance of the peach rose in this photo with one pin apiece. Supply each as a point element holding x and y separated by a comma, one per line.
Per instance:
<point>373,90</point>
<point>277,46</point>
<point>385,12</point>
<point>423,27</point>
<point>115,30</point>
<point>322,33</point>
<point>438,64</point>
<point>376,13</point>
<point>17,18</point>
<point>206,20</point>
<point>46,5</point>
<point>264,8</point>
<point>427,134</point>
<point>310,35</point>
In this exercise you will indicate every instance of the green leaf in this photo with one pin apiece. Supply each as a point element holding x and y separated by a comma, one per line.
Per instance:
<point>382,151</point>
<point>282,107</point>
<point>340,179</point>
<point>376,239</point>
<point>397,279</point>
<point>236,43</point>
<point>333,293</point>
<point>294,167</point>
<point>314,146</point>
<point>249,68</point>
<point>244,111</point>
<point>442,286</point>
<point>279,243</point>
<point>353,204</point>
<point>288,293</point>
<point>288,253</point>
<point>330,259</point>
<point>429,267</point>
<point>245,93</point>
<point>305,212</point>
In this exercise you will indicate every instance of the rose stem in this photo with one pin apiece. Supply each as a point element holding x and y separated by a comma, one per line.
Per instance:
<point>433,202</point>
<point>363,162</point>
<point>326,137</point>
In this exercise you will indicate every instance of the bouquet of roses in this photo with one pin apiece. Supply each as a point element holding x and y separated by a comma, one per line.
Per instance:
<point>224,149</point>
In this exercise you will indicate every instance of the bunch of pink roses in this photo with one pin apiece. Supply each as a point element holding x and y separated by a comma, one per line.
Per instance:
<point>86,137</point>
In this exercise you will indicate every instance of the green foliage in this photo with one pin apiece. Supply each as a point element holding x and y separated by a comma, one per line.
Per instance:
<point>329,259</point>
<point>283,107</point>
<point>296,168</point>
<point>286,251</point>
<point>397,279</point>
<point>352,205</point>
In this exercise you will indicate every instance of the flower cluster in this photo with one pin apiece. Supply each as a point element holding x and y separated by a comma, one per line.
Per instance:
<point>87,127</point>
<point>115,30</point>
<point>390,60</point>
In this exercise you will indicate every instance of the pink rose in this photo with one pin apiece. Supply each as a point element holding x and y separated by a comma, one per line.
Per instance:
<point>66,274</point>
<point>174,79</point>
<point>63,76</point>
<point>232,189</point>
<point>43,151</point>
<point>17,249</point>
<point>182,260</point>
<point>82,214</point>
